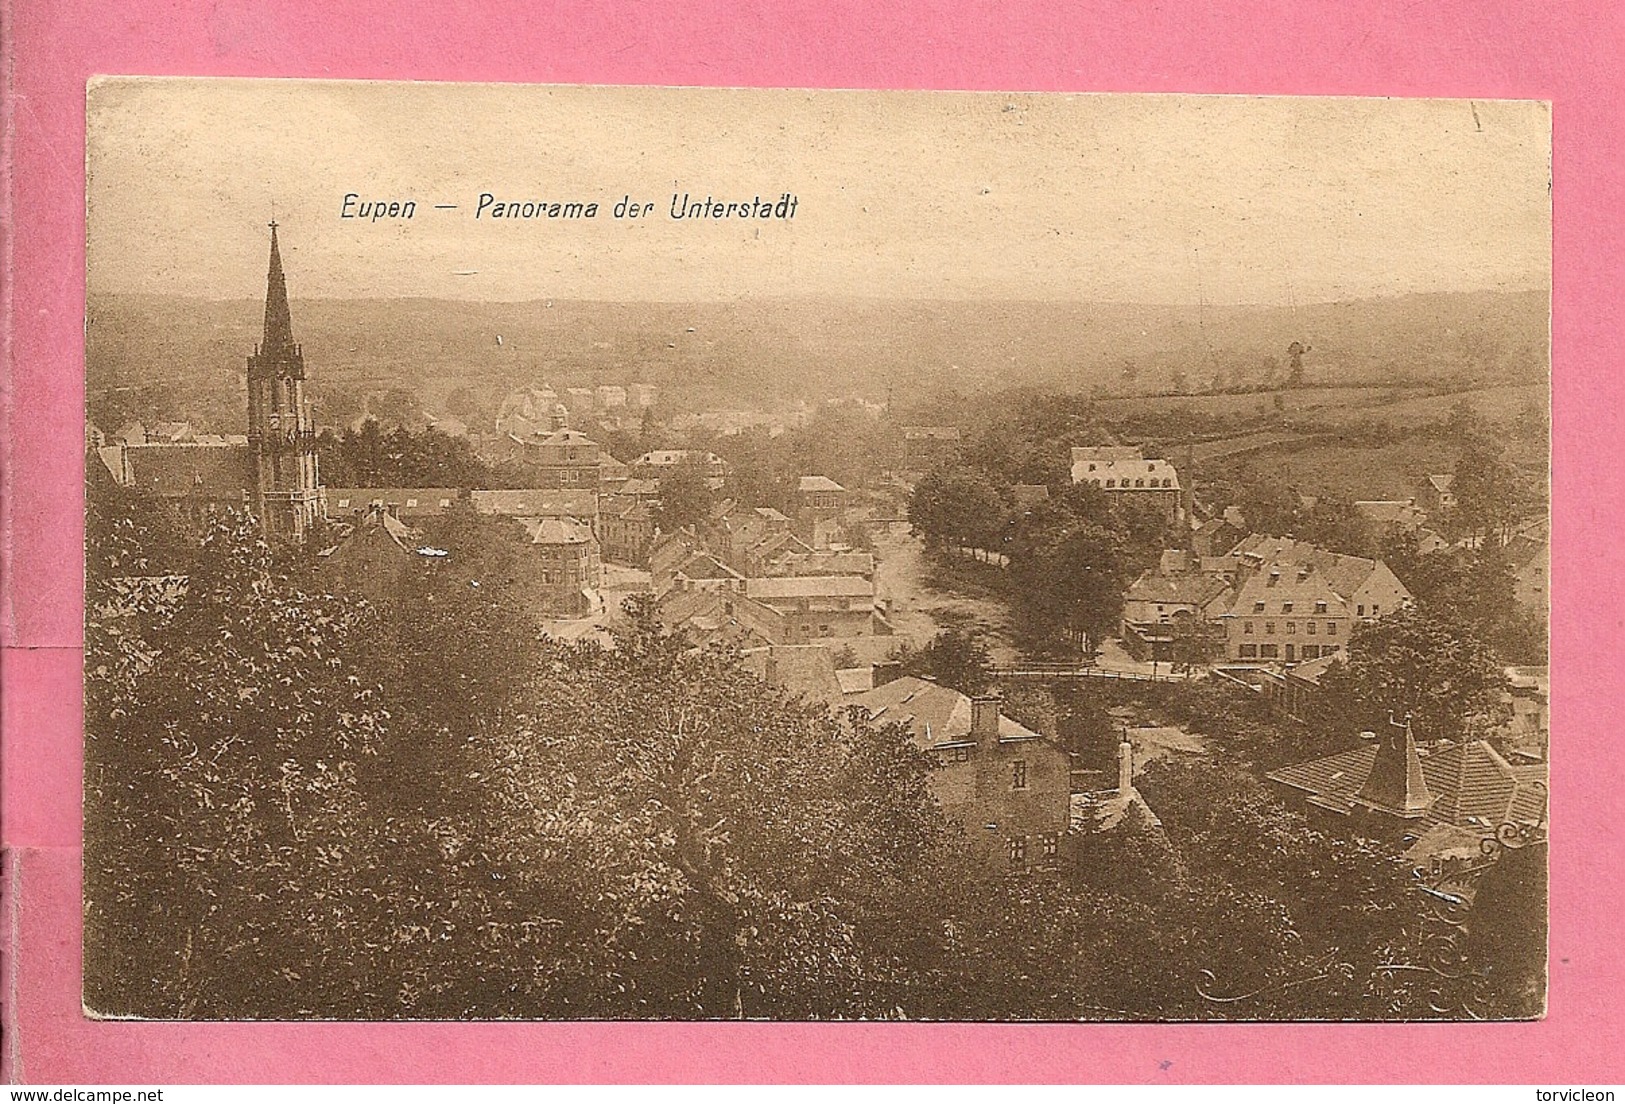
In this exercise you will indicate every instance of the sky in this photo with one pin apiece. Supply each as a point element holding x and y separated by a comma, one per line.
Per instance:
<point>918,195</point>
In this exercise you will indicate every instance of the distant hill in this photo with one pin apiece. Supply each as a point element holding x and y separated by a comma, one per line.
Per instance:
<point>155,355</point>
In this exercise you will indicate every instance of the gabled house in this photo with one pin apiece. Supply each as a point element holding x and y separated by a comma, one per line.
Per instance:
<point>1004,784</point>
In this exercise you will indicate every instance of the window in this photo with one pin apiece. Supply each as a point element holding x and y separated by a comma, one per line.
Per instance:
<point>1018,774</point>
<point>1312,626</point>
<point>1269,628</point>
<point>1111,482</point>
<point>1247,627</point>
<point>1291,626</point>
<point>1139,482</point>
<point>1258,607</point>
<point>1091,467</point>
<point>1359,611</point>
<point>1320,607</point>
<point>343,502</point>
<point>1050,843</point>
<point>1286,607</point>
<point>1248,651</point>
<point>961,754</point>
<point>444,502</point>
<point>1268,651</point>
<point>1331,649</point>
<point>1331,628</point>
<point>1018,849</point>
<point>1311,651</point>
<point>1375,609</point>
<point>411,502</point>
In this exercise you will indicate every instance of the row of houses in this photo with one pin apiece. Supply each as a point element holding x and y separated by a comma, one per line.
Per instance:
<point>1267,599</point>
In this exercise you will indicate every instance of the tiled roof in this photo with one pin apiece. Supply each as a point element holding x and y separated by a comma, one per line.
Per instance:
<point>425,499</point>
<point>191,471</point>
<point>1344,574</point>
<point>703,565</point>
<point>1098,453</point>
<point>1196,590</point>
<point>558,530</point>
<point>809,586</point>
<point>935,714</point>
<point>1472,785</point>
<point>535,503</point>
<point>805,669</point>
<point>1279,586</point>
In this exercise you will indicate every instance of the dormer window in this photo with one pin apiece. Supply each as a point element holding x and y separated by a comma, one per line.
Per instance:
<point>1320,607</point>
<point>1286,607</point>
<point>1258,607</point>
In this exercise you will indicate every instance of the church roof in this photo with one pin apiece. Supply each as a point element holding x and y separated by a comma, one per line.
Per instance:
<point>191,471</point>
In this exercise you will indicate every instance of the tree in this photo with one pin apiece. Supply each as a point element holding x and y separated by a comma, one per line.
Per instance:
<point>957,507</point>
<point>956,659</point>
<point>731,853</point>
<point>685,496</point>
<point>225,725</point>
<point>1412,663</point>
<point>1489,499</point>
<point>1074,579</point>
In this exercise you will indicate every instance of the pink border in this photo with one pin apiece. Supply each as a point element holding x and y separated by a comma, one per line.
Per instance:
<point>1564,51</point>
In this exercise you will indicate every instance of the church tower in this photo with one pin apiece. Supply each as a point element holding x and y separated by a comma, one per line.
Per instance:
<point>288,495</point>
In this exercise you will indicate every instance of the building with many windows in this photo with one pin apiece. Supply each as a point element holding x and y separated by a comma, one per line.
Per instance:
<point>1125,470</point>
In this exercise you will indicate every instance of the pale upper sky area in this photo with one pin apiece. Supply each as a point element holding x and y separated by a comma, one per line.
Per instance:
<point>1171,199</point>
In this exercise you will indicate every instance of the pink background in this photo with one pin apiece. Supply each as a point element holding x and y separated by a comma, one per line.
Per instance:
<point>1566,52</point>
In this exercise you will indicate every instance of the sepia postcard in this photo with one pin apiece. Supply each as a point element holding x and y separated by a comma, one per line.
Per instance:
<point>610,553</point>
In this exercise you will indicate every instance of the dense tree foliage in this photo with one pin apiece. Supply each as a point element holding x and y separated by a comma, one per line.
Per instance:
<point>300,804</point>
<point>1413,664</point>
<point>685,496</point>
<point>374,457</point>
<point>955,658</point>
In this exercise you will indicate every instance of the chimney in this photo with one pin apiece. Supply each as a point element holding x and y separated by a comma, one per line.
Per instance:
<point>1125,767</point>
<point>771,674</point>
<point>984,719</point>
<point>882,673</point>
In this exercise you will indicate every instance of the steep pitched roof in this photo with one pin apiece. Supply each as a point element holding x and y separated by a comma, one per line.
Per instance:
<point>558,530</point>
<point>935,714</point>
<point>191,470</point>
<point>1470,784</point>
<point>1278,586</point>
<point>1344,574</point>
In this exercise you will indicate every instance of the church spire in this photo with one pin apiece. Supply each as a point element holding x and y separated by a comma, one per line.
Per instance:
<point>278,338</point>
